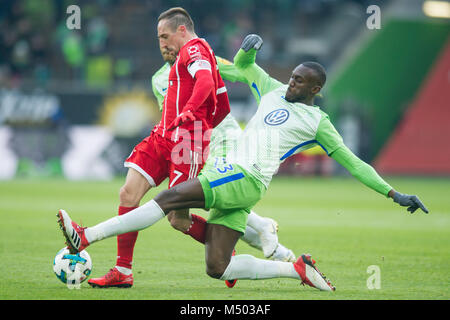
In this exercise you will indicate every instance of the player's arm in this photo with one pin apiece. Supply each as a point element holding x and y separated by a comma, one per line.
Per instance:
<point>203,85</point>
<point>229,72</point>
<point>332,142</point>
<point>255,76</point>
<point>201,71</point>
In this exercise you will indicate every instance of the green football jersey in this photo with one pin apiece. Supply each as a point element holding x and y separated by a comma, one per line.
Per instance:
<point>280,129</point>
<point>160,83</point>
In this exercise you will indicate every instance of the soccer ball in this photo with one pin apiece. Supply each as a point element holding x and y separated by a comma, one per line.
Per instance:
<point>72,268</point>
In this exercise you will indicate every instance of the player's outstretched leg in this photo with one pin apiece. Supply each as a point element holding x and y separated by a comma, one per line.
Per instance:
<point>189,194</point>
<point>78,238</point>
<point>75,237</point>
<point>310,275</point>
<point>219,265</point>
<point>261,233</point>
<point>266,229</point>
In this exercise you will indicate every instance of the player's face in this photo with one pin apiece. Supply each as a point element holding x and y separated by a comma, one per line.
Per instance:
<point>302,85</point>
<point>168,55</point>
<point>169,40</point>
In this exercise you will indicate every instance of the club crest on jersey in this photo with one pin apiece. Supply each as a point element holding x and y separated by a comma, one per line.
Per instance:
<point>277,117</point>
<point>194,51</point>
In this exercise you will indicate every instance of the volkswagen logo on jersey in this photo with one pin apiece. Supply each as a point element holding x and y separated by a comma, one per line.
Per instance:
<point>277,117</point>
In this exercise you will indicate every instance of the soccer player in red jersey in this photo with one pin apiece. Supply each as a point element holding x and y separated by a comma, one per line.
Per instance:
<point>196,101</point>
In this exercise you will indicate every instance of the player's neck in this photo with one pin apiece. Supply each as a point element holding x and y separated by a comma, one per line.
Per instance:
<point>189,37</point>
<point>307,101</point>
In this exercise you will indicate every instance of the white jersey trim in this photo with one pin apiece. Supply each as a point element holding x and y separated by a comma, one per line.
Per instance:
<point>141,171</point>
<point>178,99</point>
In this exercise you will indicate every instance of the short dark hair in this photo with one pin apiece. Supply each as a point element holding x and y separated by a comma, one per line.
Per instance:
<point>177,16</point>
<point>319,70</point>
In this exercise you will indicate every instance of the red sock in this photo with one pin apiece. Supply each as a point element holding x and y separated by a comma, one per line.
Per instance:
<point>197,230</point>
<point>125,244</point>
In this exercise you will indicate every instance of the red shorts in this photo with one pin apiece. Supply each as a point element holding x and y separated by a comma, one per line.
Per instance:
<point>158,158</point>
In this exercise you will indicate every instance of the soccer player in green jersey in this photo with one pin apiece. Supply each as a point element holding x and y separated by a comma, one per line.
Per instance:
<point>286,122</point>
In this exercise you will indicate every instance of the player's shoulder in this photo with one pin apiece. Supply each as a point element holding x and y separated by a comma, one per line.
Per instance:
<point>322,113</point>
<point>278,92</point>
<point>196,49</point>
<point>161,71</point>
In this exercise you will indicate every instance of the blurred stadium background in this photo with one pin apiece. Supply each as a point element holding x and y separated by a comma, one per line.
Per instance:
<point>73,103</point>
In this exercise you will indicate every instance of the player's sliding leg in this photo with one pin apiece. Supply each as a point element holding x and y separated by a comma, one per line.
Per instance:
<point>253,238</point>
<point>217,257</point>
<point>260,233</point>
<point>219,241</point>
<point>267,229</point>
<point>188,194</point>
<point>220,265</point>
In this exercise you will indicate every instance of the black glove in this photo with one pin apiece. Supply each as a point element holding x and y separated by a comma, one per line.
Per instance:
<point>252,41</point>
<point>412,202</point>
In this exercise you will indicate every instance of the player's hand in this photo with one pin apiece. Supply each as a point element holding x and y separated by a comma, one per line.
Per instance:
<point>183,117</point>
<point>412,202</point>
<point>252,41</point>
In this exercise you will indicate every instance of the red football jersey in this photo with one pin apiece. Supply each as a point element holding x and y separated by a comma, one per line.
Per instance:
<point>195,55</point>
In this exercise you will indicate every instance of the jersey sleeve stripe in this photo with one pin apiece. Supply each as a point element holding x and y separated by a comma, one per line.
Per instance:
<point>256,88</point>
<point>292,151</point>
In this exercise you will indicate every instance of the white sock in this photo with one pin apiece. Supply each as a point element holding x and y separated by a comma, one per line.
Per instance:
<point>135,220</point>
<point>256,222</point>
<point>125,271</point>
<point>281,253</point>
<point>251,237</point>
<point>245,266</point>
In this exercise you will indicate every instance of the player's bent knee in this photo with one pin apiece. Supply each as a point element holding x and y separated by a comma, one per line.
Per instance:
<point>215,269</point>
<point>179,224</point>
<point>128,198</point>
<point>215,273</point>
<point>170,216</point>
<point>167,199</point>
<point>179,221</point>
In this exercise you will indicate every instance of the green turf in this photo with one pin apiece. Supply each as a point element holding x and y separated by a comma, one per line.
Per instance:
<point>344,225</point>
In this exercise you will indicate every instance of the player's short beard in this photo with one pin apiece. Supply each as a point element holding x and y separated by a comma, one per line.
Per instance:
<point>170,59</point>
<point>298,98</point>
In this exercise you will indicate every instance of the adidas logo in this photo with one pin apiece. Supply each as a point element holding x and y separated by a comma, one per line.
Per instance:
<point>75,239</point>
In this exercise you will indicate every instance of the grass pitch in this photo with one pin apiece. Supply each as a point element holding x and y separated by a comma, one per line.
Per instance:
<point>343,224</point>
